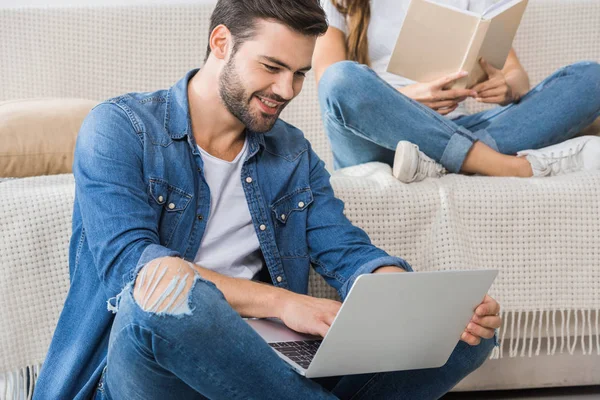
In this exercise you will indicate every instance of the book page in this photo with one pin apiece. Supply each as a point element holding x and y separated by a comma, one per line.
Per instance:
<point>451,7</point>
<point>498,7</point>
<point>501,33</point>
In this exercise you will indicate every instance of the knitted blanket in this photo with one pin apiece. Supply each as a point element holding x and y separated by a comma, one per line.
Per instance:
<point>542,234</point>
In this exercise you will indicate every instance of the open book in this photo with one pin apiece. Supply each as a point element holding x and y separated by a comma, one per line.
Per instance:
<point>437,40</point>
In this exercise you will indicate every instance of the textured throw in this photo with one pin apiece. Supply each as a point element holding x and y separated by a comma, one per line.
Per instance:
<point>543,235</point>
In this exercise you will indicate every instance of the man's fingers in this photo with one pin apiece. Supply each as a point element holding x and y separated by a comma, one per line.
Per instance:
<point>488,306</point>
<point>470,339</point>
<point>480,331</point>
<point>491,321</point>
<point>328,318</point>
<point>322,328</point>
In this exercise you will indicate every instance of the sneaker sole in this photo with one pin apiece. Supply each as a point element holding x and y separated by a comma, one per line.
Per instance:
<point>403,170</point>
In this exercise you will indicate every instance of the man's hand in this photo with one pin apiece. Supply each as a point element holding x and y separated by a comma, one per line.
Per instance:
<point>308,314</point>
<point>483,323</point>
<point>495,89</point>
<point>433,95</point>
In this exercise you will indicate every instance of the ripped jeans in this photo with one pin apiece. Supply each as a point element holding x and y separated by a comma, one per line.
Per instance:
<point>202,349</point>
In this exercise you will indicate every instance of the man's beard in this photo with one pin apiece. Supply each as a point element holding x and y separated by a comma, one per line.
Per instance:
<point>234,97</point>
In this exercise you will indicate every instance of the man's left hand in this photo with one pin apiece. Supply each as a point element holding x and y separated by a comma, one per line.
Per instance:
<point>483,323</point>
<point>495,90</point>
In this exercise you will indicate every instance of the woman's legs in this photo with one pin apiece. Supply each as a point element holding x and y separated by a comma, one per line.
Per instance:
<point>555,110</point>
<point>365,118</point>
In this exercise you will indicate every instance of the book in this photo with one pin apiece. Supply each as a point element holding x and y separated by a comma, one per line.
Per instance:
<point>437,40</point>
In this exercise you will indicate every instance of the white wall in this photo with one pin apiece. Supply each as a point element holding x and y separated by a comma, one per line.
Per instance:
<point>71,3</point>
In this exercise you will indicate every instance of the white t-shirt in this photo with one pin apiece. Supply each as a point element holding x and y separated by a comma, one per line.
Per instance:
<point>229,245</point>
<point>387,17</point>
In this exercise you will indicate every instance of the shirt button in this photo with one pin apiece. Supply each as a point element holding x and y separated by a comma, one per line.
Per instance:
<point>248,180</point>
<point>171,206</point>
<point>200,217</point>
<point>301,204</point>
<point>262,227</point>
<point>279,279</point>
<point>160,199</point>
<point>283,217</point>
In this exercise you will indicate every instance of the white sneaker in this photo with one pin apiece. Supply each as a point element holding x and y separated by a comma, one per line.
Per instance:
<point>578,154</point>
<point>412,165</point>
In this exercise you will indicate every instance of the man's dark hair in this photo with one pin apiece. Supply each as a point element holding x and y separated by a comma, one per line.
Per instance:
<point>240,17</point>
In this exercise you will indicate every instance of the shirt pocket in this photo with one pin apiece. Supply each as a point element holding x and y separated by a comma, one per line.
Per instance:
<point>170,203</point>
<point>290,212</point>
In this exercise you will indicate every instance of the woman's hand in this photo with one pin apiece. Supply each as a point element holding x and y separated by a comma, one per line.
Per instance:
<point>495,90</point>
<point>433,95</point>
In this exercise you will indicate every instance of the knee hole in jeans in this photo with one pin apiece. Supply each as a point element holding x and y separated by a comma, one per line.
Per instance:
<point>163,286</point>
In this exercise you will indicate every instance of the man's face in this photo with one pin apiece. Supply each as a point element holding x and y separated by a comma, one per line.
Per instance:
<point>265,74</point>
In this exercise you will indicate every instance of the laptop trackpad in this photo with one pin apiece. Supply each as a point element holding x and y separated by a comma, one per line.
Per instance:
<point>273,330</point>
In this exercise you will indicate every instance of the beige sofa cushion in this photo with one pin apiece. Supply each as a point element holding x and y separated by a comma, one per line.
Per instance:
<point>38,135</point>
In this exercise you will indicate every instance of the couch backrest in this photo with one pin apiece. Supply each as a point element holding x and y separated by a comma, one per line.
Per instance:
<point>101,52</point>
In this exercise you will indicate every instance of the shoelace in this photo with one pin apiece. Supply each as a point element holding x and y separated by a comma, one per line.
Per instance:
<point>568,161</point>
<point>429,168</point>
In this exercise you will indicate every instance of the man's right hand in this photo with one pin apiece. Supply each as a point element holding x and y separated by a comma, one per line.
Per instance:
<point>306,314</point>
<point>433,95</point>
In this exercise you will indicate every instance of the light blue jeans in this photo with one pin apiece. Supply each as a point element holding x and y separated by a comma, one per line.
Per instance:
<point>213,353</point>
<point>365,118</point>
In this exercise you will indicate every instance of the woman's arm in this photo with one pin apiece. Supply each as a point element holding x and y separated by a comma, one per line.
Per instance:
<point>516,76</point>
<point>503,86</point>
<point>330,48</point>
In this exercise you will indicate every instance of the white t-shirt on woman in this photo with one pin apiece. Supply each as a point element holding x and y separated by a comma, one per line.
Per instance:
<point>387,17</point>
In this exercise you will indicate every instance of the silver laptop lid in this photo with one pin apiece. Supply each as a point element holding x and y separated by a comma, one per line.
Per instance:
<point>393,322</point>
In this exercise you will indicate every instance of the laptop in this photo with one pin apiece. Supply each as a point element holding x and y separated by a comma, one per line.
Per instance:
<point>388,322</point>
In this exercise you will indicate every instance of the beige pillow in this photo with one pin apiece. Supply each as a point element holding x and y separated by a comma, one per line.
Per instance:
<point>37,136</point>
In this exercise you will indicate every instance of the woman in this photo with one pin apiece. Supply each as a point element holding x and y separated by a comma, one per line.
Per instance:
<point>369,113</point>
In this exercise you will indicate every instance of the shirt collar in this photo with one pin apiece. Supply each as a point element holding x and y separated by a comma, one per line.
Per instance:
<point>177,116</point>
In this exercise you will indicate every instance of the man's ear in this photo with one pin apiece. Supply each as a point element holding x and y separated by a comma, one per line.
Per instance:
<point>220,41</point>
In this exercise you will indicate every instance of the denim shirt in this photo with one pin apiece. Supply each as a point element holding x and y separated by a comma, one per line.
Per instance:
<point>140,194</point>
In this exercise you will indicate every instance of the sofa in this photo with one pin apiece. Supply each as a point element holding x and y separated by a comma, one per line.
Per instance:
<point>543,235</point>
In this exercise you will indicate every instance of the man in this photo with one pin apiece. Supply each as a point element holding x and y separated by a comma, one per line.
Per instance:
<point>185,199</point>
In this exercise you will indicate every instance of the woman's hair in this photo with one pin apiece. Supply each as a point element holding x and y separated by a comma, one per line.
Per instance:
<point>358,14</point>
<point>240,17</point>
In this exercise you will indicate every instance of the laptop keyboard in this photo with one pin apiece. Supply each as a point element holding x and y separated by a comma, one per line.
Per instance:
<point>300,352</point>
